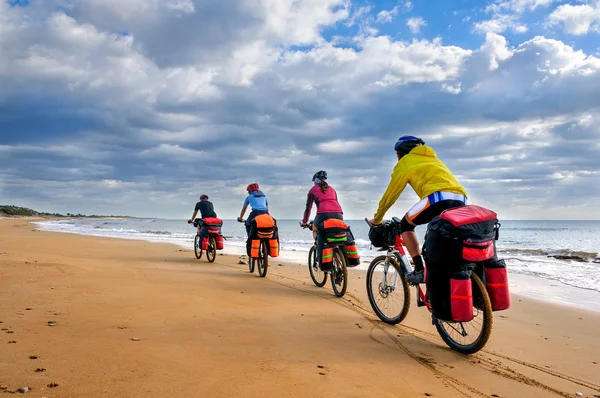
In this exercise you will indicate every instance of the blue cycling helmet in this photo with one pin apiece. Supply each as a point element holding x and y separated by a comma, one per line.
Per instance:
<point>406,143</point>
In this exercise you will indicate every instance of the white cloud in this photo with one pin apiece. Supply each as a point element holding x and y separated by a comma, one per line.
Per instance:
<point>496,47</point>
<point>339,146</point>
<point>576,19</point>
<point>415,24</point>
<point>408,5</point>
<point>452,89</point>
<point>112,183</point>
<point>500,23</point>
<point>506,14</point>
<point>186,6</point>
<point>359,14</point>
<point>386,16</point>
<point>174,152</point>
<point>518,6</point>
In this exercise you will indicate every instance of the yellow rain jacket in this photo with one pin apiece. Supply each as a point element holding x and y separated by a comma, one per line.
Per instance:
<point>424,172</point>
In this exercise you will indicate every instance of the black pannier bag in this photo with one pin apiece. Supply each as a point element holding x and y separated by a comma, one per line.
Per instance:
<point>456,241</point>
<point>384,235</point>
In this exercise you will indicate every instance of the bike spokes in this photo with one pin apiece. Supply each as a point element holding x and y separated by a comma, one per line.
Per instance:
<point>387,290</point>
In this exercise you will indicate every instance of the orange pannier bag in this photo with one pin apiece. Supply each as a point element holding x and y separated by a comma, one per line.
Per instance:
<point>265,226</point>
<point>274,247</point>
<point>255,248</point>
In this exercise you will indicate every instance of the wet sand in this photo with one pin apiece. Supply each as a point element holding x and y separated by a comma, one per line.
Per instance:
<point>140,319</point>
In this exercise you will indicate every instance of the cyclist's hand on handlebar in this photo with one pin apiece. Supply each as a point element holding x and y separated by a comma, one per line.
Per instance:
<point>372,223</point>
<point>240,219</point>
<point>190,221</point>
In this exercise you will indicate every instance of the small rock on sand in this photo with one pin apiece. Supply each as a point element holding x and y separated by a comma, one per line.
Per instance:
<point>23,390</point>
<point>33,357</point>
<point>3,387</point>
<point>51,323</point>
<point>135,339</point>
<point>52,385</point>
<point>57,313</point>
<point>242,262</point>
<point>579,394</point>
<point>12,342</point>
<point>28,309</point>
<point>281,265</point>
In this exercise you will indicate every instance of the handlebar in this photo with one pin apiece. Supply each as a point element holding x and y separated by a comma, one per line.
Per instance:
<point>241,220</point>
<point>307,226</point>
<point>395,220</point>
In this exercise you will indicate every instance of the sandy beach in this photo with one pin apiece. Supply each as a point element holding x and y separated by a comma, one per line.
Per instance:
<point>140,319</point>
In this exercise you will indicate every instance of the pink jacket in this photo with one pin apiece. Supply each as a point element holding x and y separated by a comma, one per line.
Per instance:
<point>326,202</point>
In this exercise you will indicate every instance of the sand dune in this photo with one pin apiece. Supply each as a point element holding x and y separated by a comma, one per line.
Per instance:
<point>138,319</point>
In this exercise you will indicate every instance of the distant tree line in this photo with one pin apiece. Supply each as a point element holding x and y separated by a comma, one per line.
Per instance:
<point>10,210</point>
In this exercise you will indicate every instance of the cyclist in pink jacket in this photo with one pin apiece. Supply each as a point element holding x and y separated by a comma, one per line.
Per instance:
<point>325,198</point>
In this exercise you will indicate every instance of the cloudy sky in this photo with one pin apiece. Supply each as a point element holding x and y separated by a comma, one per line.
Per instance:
<point>137,107</point>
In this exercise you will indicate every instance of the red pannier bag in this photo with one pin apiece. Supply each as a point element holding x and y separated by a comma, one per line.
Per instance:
<point>212,225</point>
<point>219,240</point>
<point>458,241</point>
<point>496,284</point>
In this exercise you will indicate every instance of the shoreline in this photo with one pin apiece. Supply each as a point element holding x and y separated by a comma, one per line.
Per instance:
<point>530,286</point>
<point>134,318</point>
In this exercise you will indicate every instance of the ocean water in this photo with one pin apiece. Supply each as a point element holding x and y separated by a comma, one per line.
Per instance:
<point>560,251</point>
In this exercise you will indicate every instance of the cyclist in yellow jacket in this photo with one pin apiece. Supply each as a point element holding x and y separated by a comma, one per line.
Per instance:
<point>432,181</point>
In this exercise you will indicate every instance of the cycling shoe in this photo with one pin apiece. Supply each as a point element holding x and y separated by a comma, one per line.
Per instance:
<point>415,277</point>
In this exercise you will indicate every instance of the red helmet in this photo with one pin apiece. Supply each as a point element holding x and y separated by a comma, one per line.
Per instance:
<point>204,197</point>
<point>252,187</point>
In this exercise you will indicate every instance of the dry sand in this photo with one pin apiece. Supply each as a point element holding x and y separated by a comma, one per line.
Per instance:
<point>138,319</point>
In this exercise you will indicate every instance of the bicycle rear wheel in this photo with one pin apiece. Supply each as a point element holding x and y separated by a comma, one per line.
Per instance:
<point>263,259</point>
<point>318,277</point>
<point>388,290</point>
<point>339,275</point>
<point>456,334</point>
<point>211,252</point>
<point>198,246</point>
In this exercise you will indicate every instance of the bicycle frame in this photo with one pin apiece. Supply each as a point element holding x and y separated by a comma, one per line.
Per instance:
<point>399,252</point>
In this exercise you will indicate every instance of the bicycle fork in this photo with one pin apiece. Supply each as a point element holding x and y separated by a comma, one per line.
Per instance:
<point>385,289</point>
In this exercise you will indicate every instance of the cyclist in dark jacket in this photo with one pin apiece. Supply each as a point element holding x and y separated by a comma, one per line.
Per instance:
<point>205,208</point>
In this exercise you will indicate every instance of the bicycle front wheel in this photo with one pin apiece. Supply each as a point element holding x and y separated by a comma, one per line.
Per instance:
<point>263,259</point>
<point>318,277</point>
<point>198,246</point>
<point>388,290</point>
<point>470,337</point>
<point>211,252</point>
<point>339,275</point>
